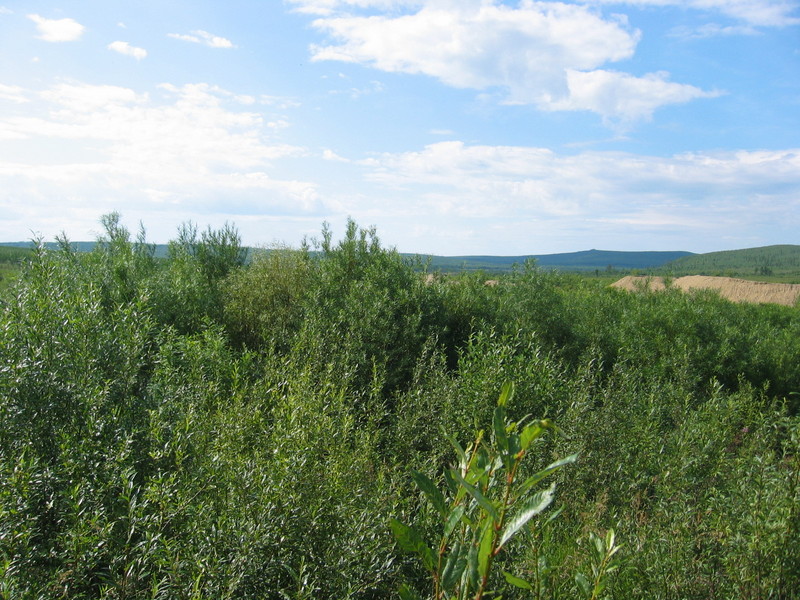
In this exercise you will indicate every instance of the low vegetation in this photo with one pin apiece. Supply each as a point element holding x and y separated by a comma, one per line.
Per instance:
<point>11,260</point>
<point>324,422</point>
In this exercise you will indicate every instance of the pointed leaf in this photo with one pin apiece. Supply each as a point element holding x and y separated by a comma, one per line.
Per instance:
<point>452,486</point>
<point>517,581</point>
<point>532,507</point>
<point>432,492</point>
<point>453,520</point>
<point>485,549</point>
<point>530,433</point>
<point>548,470</point>
<point>553,516</point>
<point>410,540</point>
<point>499,425</point>
<point>473,491</point>
<point>471,577</point>
<point>454,567</point>
<point>506,393</point>
<point>514,444</point>
<point>462,456</point>
<point>583,583</point>
<point>406,593</point>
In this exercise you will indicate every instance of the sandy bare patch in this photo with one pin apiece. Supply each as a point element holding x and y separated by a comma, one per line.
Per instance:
<point>736,290</point>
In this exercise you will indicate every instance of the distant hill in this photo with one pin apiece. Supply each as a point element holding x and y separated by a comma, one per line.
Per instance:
<point>764,261</point>
<point>161,249</point>
<point>587,260</point>
<point>780,260</point>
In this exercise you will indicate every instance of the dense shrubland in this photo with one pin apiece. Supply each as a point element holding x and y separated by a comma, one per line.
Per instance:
<point>194,427</point>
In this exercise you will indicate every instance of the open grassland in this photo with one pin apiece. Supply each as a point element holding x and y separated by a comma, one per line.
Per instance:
<point>326,424</point>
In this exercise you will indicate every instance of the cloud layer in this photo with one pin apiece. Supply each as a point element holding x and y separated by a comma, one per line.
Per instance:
<point>546,54</point>
<point>186,148</point>
<point>757,13</point>
<point>602,196</point>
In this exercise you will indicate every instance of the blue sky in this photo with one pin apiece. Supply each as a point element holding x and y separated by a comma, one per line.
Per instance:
<point>453,126</point>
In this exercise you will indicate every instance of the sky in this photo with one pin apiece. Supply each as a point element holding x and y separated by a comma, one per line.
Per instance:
<point>454,127</point>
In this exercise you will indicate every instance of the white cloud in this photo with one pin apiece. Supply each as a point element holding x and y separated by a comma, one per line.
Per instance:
<point>456,198</point>
<point>85,98</point>
<point>6,11</point>
<point>330,155</point>
<point>329,7</point>
<point>128,50</point>
<point>620,97</point>
<point>203,37</point>
<point>193,149</point>
<point>759,13</point>
<point>57,30</point>
<point>598,191</point>
<point>12,93</point>
<point>547,54</point>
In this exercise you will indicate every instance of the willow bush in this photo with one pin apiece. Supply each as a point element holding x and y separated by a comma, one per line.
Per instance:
<point>197,426</point>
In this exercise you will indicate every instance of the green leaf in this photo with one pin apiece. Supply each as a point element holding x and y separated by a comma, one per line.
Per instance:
<point>410,540</point>
<point>406,593</point>
<point>462,456</point>
<point>514,444</point>
<point>471,572</point>
<point>473,491</point>
<point>530,433</point>
<point>517,581</point>
<point>506,393</point>
<point>485,549</point>
<point>553,516</point>
<point>599,546</point>
<point>453,520</point>
<point>537,477</point>
<point>499,425</point>
<point>451,484</point>
<point>584,583</point>
<point>432,492</point>
<point>532,507</point>
<point>454,567</point>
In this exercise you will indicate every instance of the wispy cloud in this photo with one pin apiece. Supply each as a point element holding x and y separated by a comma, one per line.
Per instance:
<point>203,37</point>
<point>546,54</point>
<point>375,87</point>
<point>758,13</point>
<point>709,30</point>
<point>12,93</point>
<point>57,30</point>
<point>128,50</point>
<point>596,192</point>
<point>330,7</point>
<point>191,148</point>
